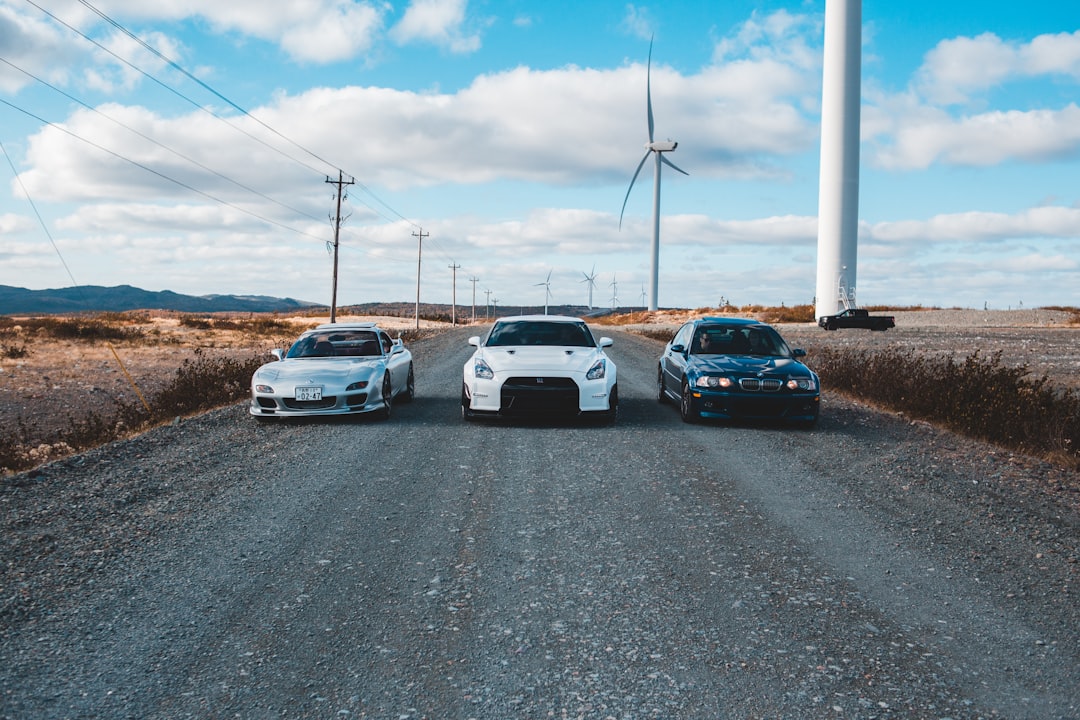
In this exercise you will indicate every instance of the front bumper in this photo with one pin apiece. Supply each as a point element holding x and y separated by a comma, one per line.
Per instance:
<point>530,395</point>
<point>789,407</point>
<point>353,403</point>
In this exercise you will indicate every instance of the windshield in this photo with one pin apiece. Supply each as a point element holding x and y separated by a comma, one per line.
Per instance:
<point>539,332</point>
<point>738,340</point>
<point>338,343</point>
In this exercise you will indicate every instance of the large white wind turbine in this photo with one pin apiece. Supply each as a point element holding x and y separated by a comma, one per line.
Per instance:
<point>591,279</point>
<point>838,186</point>
<point>657,149</point>
<point>547,290</point>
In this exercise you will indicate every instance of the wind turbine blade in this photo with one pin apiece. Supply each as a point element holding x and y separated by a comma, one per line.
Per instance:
<point>672,165</point>
<point>648,91</point>
<point>640,165</point>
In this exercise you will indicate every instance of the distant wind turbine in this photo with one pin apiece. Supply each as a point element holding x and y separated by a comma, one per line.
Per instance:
<point>614,292</point>
<point>547,291</point>
<point>657,148</point>
<point>591,279</point>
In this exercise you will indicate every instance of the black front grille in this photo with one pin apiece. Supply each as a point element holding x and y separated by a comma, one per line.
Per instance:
<point>760,384</point>
<point>328,401</point>
<point>539,395</point>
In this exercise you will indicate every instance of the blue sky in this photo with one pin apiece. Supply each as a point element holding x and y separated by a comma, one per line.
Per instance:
<point>509,131</point>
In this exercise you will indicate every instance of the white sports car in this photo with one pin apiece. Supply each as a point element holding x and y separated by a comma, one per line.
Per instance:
<point>335,369</point>
<point>537,365</point>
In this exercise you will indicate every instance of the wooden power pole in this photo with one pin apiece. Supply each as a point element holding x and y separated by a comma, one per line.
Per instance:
<point>340,182</point>
<point>419,246</point>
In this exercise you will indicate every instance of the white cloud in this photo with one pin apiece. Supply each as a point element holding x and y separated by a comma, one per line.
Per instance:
<point>440,22</point>
<point>925,136</point>
<point>539,126</point>
<point>36,46</point>
<point>638,22</point>
<point>975,226</point>
<point>780,36</point>
<point>959,67</point>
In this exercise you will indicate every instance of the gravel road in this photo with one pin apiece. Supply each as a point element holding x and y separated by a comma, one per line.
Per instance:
<point>428,568</point>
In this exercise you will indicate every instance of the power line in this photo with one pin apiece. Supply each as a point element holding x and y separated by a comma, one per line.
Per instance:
<point>161,145</point>
<point>172,63</point>
<point>202,84</point>
<point>155,172</point>
<point>178,93</point>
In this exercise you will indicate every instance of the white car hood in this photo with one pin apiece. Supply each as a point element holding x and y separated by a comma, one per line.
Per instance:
<point>316,370</point>
<point>540,359</point>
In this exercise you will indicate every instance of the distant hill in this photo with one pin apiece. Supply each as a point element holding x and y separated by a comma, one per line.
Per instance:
<point>92,298</point>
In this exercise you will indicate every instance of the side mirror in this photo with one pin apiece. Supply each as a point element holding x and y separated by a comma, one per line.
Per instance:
<point>475,341</point>
<point>678,348</point>
<point>606,342</point>
<point>278,353</point>
<point>798,352</point>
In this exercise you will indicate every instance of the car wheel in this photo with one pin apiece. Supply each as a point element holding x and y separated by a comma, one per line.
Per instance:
<point>409,392</point>
<point>661,396</point>
<point>686,408</point>
<point>466,412</point>
<point>387,397</point>
<point>613,406</point>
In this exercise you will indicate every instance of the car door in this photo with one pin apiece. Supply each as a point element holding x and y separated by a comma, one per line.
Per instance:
<point>395,362</point>
<point>673,363</point>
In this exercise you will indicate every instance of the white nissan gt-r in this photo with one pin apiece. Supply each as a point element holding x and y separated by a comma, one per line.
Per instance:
<point>539,365</point>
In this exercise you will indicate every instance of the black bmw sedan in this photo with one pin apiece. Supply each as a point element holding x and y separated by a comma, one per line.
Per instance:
<point>736,369</point>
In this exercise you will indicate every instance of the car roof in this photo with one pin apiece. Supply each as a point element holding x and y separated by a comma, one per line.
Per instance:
<point>348,326</point>
<point>547,318</point>
<point>728,321</point>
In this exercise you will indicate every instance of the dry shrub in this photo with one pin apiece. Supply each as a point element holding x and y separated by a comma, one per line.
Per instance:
<point>86,329</point>
<point>978,397</point>
<point>200,384</point>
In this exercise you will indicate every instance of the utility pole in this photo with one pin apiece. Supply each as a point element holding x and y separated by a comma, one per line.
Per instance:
<point>453,296</point>
<point>419,244</point>
<point>474,280</point>
<point>337,232</point>
<point>487,305</point>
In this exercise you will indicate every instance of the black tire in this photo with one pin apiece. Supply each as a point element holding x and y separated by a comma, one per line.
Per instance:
<point>409,392</point>
<point>612,413</point>
<point>686,410</point>
<point>661,394</point>
<point>387,398</point>
<point>466,413</point>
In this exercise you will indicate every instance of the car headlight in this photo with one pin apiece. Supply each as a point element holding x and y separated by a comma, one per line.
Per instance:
<point>482,371</point>
<point>357,386</point>
<point>597,371</point>
<point>264,389</point>
<point>801,384</point>
<point>712,381</point>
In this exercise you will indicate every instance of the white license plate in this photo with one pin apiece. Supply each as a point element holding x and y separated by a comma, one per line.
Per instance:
<point>309,393</point>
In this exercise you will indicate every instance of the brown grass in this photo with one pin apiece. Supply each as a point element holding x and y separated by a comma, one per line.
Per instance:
<point>72,383</point>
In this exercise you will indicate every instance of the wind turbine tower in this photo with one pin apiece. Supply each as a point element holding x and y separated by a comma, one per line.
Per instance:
<point>657,150</point>
<point>591,279</point>
<point>547,291</point>
<point>838,186</point>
